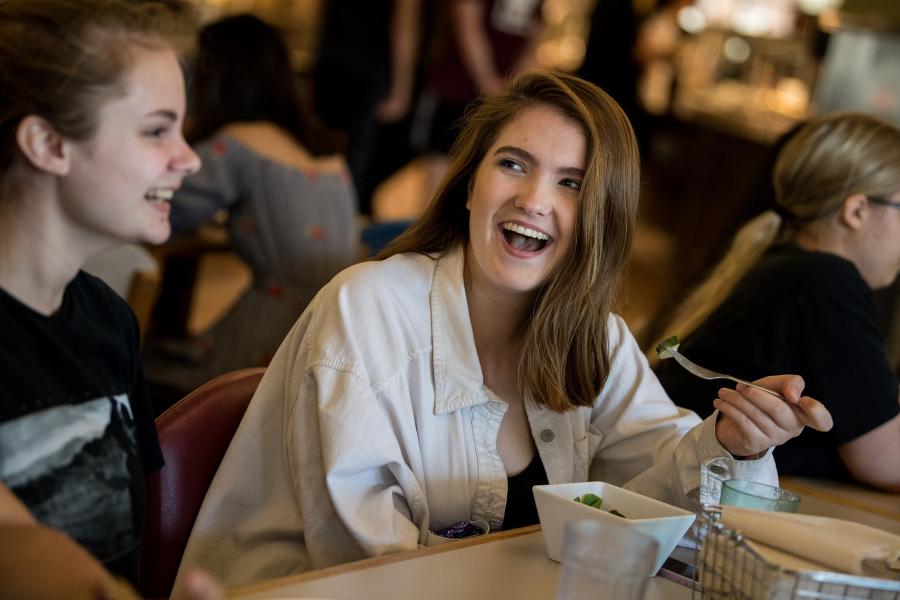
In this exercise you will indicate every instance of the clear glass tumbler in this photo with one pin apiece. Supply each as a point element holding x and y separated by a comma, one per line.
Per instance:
<point>750,494</point>
<point>603,560</point>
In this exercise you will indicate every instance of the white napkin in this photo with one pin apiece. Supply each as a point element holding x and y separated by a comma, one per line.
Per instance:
<point>837,544</point>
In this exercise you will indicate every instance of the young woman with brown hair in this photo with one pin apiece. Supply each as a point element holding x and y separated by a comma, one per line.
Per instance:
<point>477,357</point>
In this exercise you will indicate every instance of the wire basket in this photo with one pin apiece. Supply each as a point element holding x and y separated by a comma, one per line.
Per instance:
<point>729,569</point>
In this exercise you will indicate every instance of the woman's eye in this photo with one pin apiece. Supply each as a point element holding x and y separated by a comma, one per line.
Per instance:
<point>508,163</point>
<point>156,132</point>
<point>571,184</point>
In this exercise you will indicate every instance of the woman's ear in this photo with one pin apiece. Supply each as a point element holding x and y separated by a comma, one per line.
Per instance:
<point>854,211</point>
<point>43,145</point>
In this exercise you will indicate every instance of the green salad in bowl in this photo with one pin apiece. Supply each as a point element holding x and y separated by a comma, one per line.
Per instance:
<point>595,501</point>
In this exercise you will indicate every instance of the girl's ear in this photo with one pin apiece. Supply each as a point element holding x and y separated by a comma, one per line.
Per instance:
<point>854,211</point>
<point>43,146</point>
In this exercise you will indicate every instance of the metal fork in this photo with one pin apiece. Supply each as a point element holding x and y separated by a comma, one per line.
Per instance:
<point>704,373</point>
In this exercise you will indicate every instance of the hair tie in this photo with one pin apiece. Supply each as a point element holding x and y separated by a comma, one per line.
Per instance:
<point>784,213</point>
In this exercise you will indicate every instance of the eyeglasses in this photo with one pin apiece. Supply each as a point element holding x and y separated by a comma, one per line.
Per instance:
<point>884,201</point>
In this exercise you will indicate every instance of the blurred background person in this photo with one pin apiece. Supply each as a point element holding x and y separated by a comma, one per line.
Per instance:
<point>480,44</point>
<point>656,46</point>
<point>364,77</point>
<point>623,47</point>
<point>795,294</point>
<point>609,59</point>
<point>290,202</point>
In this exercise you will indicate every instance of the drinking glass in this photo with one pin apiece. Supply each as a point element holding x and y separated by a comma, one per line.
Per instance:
<point>603,560</point>
<point>750,494</point>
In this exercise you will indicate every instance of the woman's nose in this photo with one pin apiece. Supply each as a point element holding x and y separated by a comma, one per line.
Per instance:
<point>532,199</point>
<point>185,159</point>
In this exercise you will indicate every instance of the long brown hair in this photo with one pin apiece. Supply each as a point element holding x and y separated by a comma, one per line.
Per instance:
<point>62,59</point>
<point>565,361</point>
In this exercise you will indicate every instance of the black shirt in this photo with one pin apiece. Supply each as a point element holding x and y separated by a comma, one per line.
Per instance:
<point>806,313</point>
<point>76,428</point>
<point>355,40</point>
<point>520,507</point>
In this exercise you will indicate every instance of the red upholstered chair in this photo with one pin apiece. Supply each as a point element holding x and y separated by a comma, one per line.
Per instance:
<point>194,434</point>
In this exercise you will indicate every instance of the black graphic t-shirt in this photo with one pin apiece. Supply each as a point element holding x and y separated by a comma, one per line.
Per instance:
<point>809,313</point>
<point>76,428</point>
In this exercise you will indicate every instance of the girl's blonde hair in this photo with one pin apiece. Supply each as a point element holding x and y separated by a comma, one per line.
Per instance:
<point>823,163</point>
<point>565,362</point>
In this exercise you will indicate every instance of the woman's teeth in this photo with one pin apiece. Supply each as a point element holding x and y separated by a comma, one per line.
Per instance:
<point>526,231</point>
<point>523,238</point>
<point>159,195</point>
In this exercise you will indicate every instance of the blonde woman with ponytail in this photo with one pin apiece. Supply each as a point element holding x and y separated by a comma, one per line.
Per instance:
<point>794,295</point>
<point>421,395</point>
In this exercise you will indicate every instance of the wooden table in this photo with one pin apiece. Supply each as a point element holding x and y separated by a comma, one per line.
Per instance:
<point>846,501</point>
<point>509,564</point>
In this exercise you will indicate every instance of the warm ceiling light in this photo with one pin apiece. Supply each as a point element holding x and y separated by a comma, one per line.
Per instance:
<point>816,7</point>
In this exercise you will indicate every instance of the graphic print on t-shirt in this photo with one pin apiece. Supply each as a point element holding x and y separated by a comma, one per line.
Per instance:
<point>69,465</point>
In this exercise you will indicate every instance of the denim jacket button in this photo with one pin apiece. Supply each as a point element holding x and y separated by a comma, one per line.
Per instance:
<point>718,469</point>
<point>547,436</point>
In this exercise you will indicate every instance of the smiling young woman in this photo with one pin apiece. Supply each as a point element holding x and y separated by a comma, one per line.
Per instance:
<point>564,361</point>
<point>118,182</point>
<point>426,392</point>
<point>90,150</point>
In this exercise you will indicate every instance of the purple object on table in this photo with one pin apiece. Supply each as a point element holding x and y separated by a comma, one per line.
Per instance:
<point>460,530</point>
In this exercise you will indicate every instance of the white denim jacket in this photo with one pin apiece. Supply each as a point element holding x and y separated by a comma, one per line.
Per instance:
<point>372,428</point>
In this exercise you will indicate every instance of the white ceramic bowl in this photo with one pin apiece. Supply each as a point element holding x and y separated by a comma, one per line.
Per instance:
<point>663,522</point>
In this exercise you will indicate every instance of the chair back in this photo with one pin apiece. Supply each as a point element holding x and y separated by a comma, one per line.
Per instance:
<point>194,434</point>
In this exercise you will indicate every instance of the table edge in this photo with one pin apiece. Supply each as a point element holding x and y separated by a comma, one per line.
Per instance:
<point>376,561</point>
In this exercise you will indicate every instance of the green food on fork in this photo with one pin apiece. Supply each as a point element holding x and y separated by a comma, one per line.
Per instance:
<point>663,348</point>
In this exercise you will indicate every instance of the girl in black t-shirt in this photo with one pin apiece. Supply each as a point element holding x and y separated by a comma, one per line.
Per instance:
<point>90,151</point>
